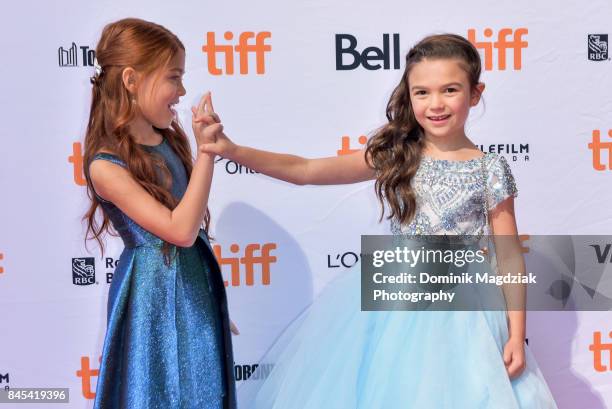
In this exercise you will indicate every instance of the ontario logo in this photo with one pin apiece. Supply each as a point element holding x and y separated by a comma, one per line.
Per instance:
<point>83,271</point>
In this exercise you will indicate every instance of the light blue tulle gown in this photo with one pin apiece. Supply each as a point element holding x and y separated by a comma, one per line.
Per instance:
<point>167,343</point>
<point>335,356</point>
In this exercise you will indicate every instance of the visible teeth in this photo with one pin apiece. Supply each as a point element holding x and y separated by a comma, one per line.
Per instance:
<point>437,118</point>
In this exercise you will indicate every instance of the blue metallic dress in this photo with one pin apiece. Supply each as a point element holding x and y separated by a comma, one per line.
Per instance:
<point>336,356</point>
<point>167,343</point>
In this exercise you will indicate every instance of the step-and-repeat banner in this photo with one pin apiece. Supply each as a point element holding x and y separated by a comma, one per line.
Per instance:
<point>310,78</point>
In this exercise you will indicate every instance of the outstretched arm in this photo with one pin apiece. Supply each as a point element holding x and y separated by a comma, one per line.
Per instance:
<point>335,170</point>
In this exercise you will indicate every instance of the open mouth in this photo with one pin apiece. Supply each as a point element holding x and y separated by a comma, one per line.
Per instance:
<point>438,118</point>
<point>171,108</point>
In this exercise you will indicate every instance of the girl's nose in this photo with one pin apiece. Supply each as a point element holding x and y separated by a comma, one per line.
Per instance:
<point>436,102</point>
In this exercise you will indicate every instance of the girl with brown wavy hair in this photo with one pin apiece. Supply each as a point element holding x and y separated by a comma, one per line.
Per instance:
<point>434,181</point>
<point>168,342</point>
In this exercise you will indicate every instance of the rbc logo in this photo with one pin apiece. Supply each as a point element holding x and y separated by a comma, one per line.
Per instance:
<point>347,44</point>
<point>598,47</point>
<point>243,49</point>
<point>502,44</point>
<point>83,271</point>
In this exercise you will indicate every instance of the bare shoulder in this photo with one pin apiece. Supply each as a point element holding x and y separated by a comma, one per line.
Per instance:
<point>109,175</point>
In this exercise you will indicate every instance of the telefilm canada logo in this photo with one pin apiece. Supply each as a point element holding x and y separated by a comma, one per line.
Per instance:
<point>597,47</point>
<point>513,152</point>
<point>83,271</point>
<point>74,56</point>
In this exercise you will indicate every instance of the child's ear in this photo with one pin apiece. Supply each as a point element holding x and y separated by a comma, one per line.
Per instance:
<point>128,76</point>
<point>477,93</point>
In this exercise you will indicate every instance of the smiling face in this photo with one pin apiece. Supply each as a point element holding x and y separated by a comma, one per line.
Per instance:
<point>159,91</point>
<point>441,96</point>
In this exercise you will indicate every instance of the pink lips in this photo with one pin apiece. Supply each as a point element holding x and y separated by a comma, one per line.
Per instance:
<point>439,119</point>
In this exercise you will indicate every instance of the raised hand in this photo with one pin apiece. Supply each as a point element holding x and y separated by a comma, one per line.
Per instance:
<point>205,122</point>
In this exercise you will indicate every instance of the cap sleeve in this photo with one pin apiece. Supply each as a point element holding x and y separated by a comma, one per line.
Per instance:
<point>500,182</point>
<point>108,157</point>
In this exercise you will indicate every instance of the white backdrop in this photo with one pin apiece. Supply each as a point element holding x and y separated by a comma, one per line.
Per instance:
<point>51,330</point>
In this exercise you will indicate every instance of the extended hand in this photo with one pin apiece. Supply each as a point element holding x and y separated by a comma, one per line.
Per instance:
<point>222,146</point>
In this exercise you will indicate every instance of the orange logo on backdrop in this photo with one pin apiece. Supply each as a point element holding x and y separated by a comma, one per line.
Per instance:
<point>77,163</point>
<point>86,373</point>
<point>345,148</point>
<point>596,145</point>
<point>249,260</point>
<point>1,258</point>
<point>598,348</point>
<point>243,49</point>
<point>501,45</point>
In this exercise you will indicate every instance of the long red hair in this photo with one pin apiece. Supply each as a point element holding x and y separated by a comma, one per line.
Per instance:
<point>146,47</point>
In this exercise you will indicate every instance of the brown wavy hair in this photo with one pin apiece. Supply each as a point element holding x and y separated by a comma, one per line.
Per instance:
<point>146,47</point>
<point>394,151</point>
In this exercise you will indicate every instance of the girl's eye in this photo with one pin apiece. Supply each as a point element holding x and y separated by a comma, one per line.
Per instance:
<point>420,92</point>
<point>451,90</point>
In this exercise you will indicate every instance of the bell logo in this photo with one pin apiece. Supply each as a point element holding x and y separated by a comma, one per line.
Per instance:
<point>598,348</point>
<point>345,148</point>
<point>264,259</point>
<point>370,57</point>
<point>86,373</point>
<point>596,145</point>
<point>502,44</point>
<point>243,49</point>
<point>77,163</point>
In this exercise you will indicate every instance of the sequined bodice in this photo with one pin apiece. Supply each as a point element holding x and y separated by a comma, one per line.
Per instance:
<point>450,195</point>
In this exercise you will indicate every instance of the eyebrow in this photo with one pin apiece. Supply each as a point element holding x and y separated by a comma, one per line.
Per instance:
<point>178,69</point>
<point>456,84</point>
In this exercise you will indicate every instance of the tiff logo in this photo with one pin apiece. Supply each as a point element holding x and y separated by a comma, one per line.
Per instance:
<point>243,49</point>
<point>597,146</point>
<point>501,45</point>
<point>249,260</point>
<point>68,57</point>
<point>345,147</point>
<point>1,258</point>
<point>86,374</point>
<point>77,164</point>
<point>598,348</point>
